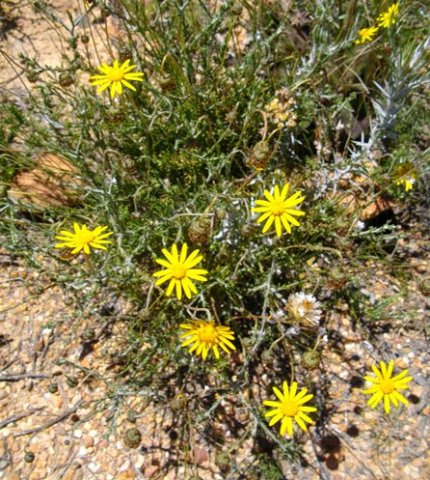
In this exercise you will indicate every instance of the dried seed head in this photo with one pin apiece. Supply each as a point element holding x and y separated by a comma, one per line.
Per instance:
<point>66,79</point>
<point>53,388</point>
<point>311,359</point>
<point>89,334</point>
<point>29,457</point>
<point>223,461</point>
<point>260,155</point>
<point>200,230</point>
<point>72,382</point>
<point>304,309</point>
<point>132,416</point>
<point>132,438</point>
<point>178,403</point>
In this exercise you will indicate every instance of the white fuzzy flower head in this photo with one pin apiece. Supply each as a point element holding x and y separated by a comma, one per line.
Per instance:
<point>304,309</point>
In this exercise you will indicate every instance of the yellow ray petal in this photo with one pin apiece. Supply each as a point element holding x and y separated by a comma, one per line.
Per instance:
<point>400,398</point>
<point>186,288</point>
<point>183,255</point>
<point>264,216</point>
<point>275,419</point>
<point>284,192</point>
<point>293,390</point>
<point>101,81</point>
<point>162,273</point>
<point>263,203</point>
<point>189,284</point>
<point>193,261</point>
<point>228,343</point>
<point>376,372</point>
<point>128,85</point>
<point>271,403</point>
<point>175,253</point>
<point>296,213</point>
<point>125,65</point>
<point>168,255</point>
<point>278,226</point>
<point>301,394</point>
<point>300,423</point>
<point>304,408</point>
<point>161,280</point>
<point>291,219</point>
<point>387,404</point>
<point>272,412</point>
<point>164,263</point>
<point>216,351</point>
<point>268,224</point>
<point>278,393</point>
<point>178,289</point>
<point>195,274</point>
<point>303,400</point>
<point>269,196</point>
<point>103,87</point>
<point>170,287</point>
<point>395,378</point>
<point>187,342</point>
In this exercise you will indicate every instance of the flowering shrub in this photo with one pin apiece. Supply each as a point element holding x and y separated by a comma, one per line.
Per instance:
<point>221,119</point>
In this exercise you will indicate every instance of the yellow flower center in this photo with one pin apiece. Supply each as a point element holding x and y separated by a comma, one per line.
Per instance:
<point>277,208</point>
<point>85,236</point>
<point>207,334</point>
<point>289,408</point>
<point>178,271</point>
<point>387,386</point>
<point>115,75</point>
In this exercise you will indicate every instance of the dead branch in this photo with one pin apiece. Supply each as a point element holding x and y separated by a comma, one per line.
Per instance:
<point>50,423</point>
<point>21,376</point>
<point>15,418</point>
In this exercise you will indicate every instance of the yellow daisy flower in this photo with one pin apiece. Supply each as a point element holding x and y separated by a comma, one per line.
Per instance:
<point>366,35</point>
<point>290,407</point>
<point>82,239</point>
<point>115,77</point>
<point>405,175</point>
<point>179,270</point>
<point>389,17</point>
<point>408,183</point>
<point>385,387</point>
<point>205,335</point>
<point>279,209</point>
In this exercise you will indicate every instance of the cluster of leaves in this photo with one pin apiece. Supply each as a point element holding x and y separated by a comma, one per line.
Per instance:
<point>178,157</point>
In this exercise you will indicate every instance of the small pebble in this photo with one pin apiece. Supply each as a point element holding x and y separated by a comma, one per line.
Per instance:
<point>151,471</point>
<point>94,467</point>
<point>124,466</point>
<point>82,451</point>
<point>89,442</point>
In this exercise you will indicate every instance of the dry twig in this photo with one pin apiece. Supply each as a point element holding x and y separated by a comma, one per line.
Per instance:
<point>21,376</point>
<point>50,423</point>
<point>17,417</point>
